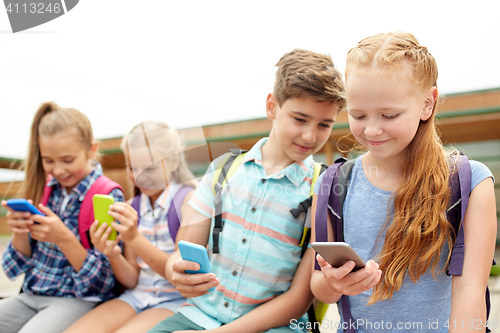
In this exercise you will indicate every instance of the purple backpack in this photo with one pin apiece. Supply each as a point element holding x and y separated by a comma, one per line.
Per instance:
<point>336,181</point>
<point>172,216</point>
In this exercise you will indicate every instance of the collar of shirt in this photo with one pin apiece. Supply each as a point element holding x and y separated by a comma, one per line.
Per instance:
<point>84,185</point>
<point>163,201</point>
<point>296,172</point>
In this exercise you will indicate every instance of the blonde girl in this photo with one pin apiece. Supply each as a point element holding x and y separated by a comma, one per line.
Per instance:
<point>157,168</point>
<point>63,280</point>
<point>396,201</point>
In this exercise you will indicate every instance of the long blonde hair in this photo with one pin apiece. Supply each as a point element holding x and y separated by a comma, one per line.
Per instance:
<point>163,141</point>
<point>50,119</point>
<point>419,229</point>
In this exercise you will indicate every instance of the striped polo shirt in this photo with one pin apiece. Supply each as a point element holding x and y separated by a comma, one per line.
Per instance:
<point>259,244</point>
<point>152,288</point>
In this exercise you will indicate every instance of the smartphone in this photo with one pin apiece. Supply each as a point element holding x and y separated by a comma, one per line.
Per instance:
<point>22,205</point>
<point>196,253</point>
<point>101,203</point>
<point>338,253</point>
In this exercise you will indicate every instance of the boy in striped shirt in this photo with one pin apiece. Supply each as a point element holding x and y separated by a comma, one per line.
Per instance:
<point>261,280</point>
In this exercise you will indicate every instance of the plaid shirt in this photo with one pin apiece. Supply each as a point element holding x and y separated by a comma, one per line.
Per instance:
<point>48,272</point>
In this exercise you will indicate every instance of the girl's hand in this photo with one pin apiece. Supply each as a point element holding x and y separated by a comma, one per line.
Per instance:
<point>191,285</point>
<point>127,216</point>
<point>18,222</point>
<point>99,237</point>
<point>50,228</point>
<point>342,281</point>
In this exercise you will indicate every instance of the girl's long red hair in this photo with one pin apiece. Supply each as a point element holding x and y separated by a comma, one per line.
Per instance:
<point>419,230</point>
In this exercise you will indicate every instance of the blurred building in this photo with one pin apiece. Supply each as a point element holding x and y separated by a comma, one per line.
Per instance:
<point>468,121</point>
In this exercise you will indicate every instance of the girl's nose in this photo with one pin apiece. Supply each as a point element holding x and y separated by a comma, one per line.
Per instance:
<point>373,129</point>
<point>58,170</point>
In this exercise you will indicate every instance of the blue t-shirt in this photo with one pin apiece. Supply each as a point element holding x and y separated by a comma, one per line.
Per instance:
<point>421,306</point>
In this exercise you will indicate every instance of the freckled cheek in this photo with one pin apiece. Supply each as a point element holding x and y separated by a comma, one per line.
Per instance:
<point>356,130</point>
<point>404,134</point>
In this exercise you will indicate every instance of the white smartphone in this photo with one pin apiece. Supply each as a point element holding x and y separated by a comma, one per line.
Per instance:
<point>338,253</point>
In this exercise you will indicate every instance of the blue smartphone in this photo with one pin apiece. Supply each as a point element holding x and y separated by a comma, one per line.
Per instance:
<point>22,205</point>
<point>196,253</point>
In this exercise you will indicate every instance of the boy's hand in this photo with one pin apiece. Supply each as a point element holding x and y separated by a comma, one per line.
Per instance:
<point>342,281</point>
<point>127,216</point>
<point>191,285</point>
<point>18,222</point>
<point>99,237</point>
<point>50,228</point>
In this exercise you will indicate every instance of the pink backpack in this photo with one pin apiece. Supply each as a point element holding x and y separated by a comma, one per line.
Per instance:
<point>102,185</point>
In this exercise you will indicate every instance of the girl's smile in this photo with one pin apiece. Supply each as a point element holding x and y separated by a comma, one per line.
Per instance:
<point>377,143</point>
<point>64,157</point>
<point>384,110</point>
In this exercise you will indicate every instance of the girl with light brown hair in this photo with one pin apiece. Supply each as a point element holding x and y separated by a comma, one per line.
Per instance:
<point>398,194</point>
<point>63,279</point>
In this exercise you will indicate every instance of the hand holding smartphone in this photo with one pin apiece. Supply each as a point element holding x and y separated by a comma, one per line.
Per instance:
<point>101,205</point>
<point>196,253</point>
<point>338,253</point>
<point>23,205</point>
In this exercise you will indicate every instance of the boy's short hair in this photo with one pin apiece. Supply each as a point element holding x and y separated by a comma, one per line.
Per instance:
<point>306,74</point>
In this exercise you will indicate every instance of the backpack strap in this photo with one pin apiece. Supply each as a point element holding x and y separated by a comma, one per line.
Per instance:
<point>234,157</point>
<point>319,168</point>
<point>232,163</point>
<point>329,204</point>
<point>102,185</point>
<point>305,206</point>
<point>331,199</point>
<point>460,183</point>
<point>136,204</point>
<point>47,191</point>
<point>460,187</point>
<point>173,218</point>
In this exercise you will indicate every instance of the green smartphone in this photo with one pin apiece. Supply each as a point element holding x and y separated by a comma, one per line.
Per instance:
<point>101,204</point>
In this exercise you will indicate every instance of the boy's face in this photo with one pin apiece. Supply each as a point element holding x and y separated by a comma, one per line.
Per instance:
<point>300,126</point>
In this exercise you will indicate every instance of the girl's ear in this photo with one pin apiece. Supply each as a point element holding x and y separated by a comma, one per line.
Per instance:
<point>92,153</point>
<point>271,106</point>
<point>429,105</point>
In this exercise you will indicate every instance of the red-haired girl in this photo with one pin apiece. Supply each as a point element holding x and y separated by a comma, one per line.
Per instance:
<point>397,198</point>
